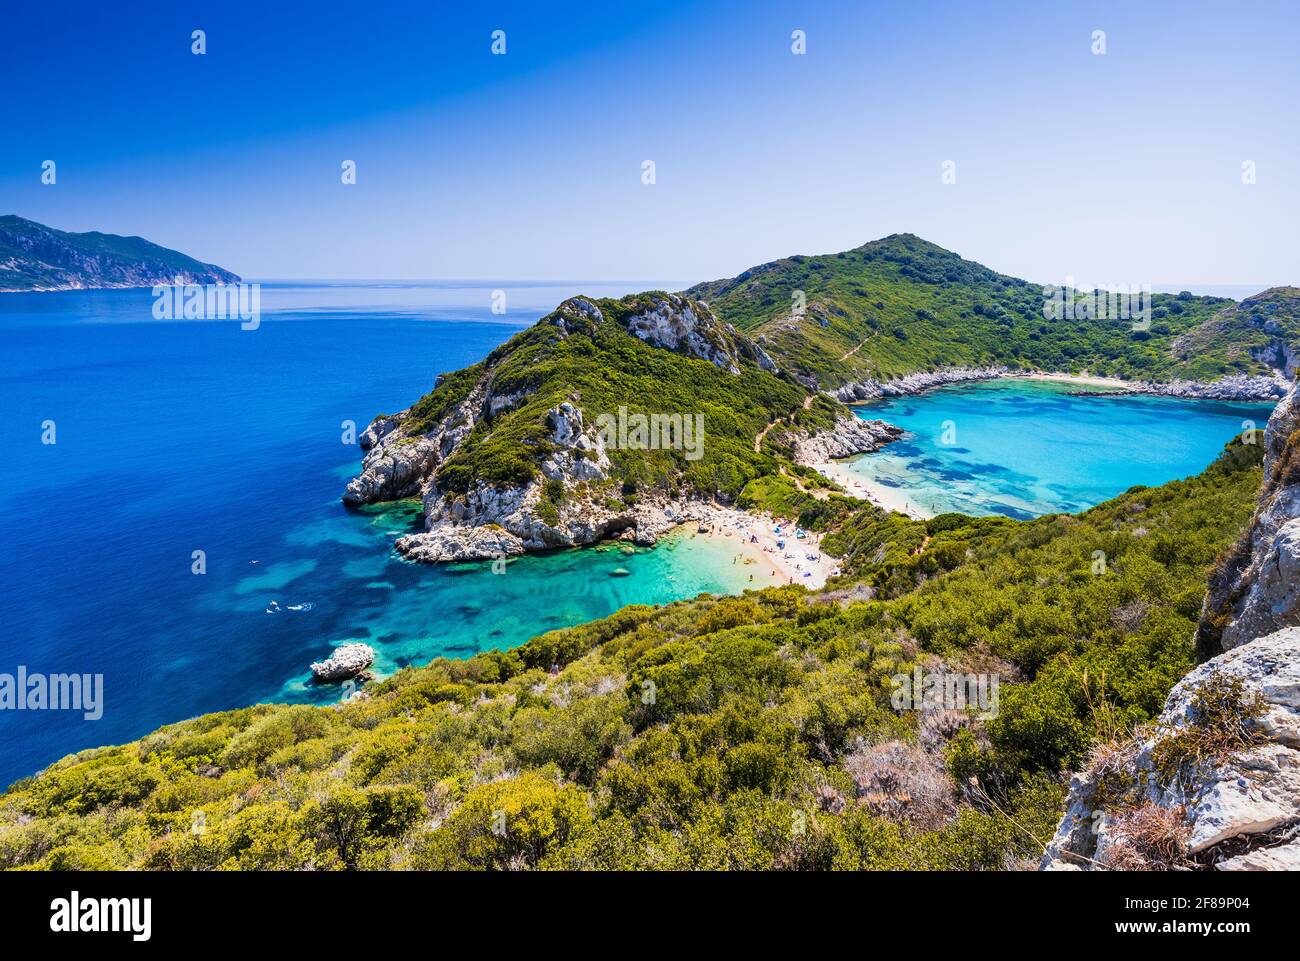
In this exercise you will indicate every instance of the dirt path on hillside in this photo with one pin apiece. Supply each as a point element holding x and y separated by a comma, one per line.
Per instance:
<point>758,438</point>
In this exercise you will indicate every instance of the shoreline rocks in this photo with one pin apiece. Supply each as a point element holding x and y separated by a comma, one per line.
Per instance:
<point>916,383</point>
<point>848,437</point>
<point>1234,387</point>
<point>347,661</point>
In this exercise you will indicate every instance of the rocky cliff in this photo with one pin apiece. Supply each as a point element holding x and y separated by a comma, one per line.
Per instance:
<point>848,437</point>
<point>532,404</point>
<point>1215,782</point>
<point>37,258</point>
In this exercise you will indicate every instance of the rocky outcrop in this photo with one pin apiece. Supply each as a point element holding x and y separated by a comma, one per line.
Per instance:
<point>1236,809</point>
<point>916,383</point>
<point>459,542</point>
<point>1235,387</point>
<point>679,324</point>
<point>1232,799</point>
<point>519,526</point>
<point>348,660</point>
<point>849,436</point>
<point>1279,354</point>
<point>490,521</point>
<point>399,463</point>
<point>1257,588</point>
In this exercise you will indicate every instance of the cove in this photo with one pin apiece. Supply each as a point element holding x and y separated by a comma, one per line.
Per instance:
<point>1024,448</point>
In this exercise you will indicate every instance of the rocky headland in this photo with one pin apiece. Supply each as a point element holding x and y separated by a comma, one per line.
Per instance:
<point>34,257</point>
<point>574,496</point>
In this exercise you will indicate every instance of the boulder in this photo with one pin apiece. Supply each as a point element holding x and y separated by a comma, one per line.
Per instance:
<point>459,542</point>
<point>348,660</point>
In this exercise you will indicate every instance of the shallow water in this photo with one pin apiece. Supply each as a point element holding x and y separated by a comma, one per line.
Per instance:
<point>177,437</point>
<point>1024,448</point>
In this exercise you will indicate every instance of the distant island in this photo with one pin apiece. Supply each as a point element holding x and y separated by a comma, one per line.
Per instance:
<point>34,257</point>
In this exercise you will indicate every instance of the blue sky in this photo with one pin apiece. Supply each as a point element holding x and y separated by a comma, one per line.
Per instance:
<point>1120,168</point>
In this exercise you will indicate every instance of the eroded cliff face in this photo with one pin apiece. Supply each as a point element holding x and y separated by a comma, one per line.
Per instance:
<point>1257,587</point>
<point>1215,782</point>
<point>573,499</point>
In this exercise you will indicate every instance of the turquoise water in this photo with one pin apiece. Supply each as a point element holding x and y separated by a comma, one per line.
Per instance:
<point>1026,448</point>
<point>176,437</point>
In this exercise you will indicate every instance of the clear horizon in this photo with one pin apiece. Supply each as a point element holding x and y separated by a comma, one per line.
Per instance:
<point>1112,168</point>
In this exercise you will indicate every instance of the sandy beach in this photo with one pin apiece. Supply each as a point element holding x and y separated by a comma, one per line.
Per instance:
<point>1086,379</point>
<point>800,561</point>
<point>889,498</point>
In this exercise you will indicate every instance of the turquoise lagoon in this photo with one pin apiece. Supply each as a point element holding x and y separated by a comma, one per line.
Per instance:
<point>1024,448</point>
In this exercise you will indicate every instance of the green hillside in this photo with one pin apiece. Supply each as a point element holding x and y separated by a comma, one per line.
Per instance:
<point>746,732</point>
<point>901,304</point>
<point>591,360</point>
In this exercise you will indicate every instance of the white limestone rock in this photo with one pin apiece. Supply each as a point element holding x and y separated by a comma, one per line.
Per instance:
<point>458,542</point>
<point>916,383</point>
<point>849,436</point>
<point>348,660</point>
<point>1247,794</point>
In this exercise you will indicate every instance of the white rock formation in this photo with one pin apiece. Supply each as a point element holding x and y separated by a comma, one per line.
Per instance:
<point>348,660</point>
<point>916,383</point>
<point>849,436</point>
<point>1232,387</point>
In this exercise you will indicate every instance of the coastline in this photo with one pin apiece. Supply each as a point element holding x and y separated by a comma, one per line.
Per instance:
<point>886,498</point>
<point>1233,387</point>
<point>839,469</point>
<point>1087,380</point>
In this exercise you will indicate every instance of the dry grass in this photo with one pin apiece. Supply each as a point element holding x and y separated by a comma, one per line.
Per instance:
<point>1147,837</point>
<point>903,782</point>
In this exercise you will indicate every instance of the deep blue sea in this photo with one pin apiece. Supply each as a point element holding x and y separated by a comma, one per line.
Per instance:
<point>173,437</point>
<point>1024,448</point>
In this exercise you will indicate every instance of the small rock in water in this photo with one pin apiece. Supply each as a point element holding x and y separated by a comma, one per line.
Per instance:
<point>348,660</point>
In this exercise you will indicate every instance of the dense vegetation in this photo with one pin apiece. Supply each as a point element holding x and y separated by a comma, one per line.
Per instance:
<point>744,732</point>
<point>600,367</point>
<point>902,304</point>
